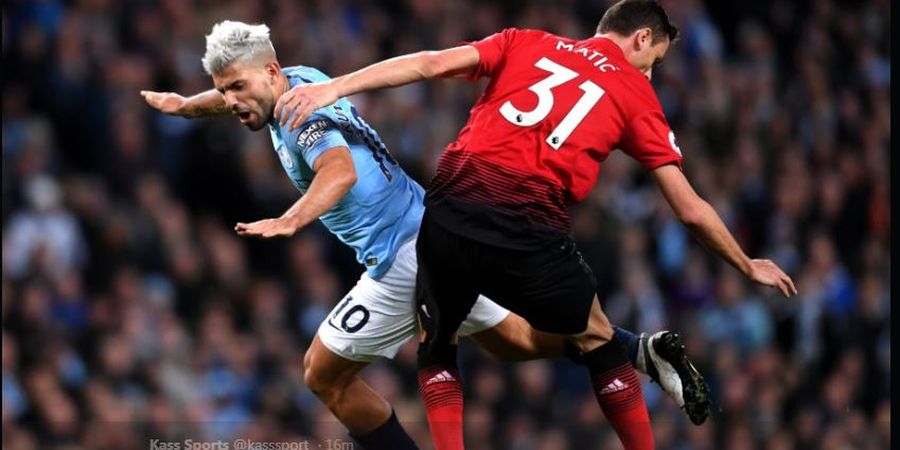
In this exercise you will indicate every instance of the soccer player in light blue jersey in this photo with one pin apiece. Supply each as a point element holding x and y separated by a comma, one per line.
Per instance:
<point>349,181</point>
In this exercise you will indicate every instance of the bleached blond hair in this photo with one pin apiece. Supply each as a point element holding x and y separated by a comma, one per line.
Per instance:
<point>231,41</point>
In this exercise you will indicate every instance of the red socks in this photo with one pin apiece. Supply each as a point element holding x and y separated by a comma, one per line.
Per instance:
<point>615,383</point>
<point>442,393</point>
<point>618,392</point>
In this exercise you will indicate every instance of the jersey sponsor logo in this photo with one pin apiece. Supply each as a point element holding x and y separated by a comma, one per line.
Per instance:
<point>285,157</point>
<point>315,131</point>
<point>673,144</point>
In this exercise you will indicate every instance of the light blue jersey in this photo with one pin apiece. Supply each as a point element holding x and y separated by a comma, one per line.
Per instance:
<point>383,209</point>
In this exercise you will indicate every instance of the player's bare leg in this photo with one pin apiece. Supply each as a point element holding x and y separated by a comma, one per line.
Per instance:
<point>513,339</point>
<point>659,355</point>
<point>616,386</point>
<point>367,415</point>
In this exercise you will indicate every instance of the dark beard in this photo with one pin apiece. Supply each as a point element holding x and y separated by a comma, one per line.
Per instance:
<point>268,119</point>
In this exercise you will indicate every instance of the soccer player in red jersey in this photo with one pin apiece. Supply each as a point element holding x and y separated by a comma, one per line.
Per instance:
<point>496,219</point>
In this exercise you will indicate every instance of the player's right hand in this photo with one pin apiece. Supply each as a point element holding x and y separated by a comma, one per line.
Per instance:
<point>767,273</point>
<point>299,102</point>
<point>167,102</point>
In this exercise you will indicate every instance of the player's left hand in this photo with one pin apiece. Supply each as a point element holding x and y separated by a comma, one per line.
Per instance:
<point>267,228</point>
<point>767,273</point>
<point>302,101</point>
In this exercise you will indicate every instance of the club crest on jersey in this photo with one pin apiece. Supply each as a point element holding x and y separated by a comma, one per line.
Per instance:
<point>285,157</point>
<point>673,144</point>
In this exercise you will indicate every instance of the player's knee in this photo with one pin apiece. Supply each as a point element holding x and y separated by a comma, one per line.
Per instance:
<point>599,331</point>
<point>328,390</point>
<point>316,379</point>
<point>309,372</point>
<point>307,359</point>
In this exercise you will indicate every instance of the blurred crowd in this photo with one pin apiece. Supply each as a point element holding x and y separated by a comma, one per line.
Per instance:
<point>132,311</point>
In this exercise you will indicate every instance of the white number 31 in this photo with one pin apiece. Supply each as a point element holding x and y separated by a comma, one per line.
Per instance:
<point>558,75</point>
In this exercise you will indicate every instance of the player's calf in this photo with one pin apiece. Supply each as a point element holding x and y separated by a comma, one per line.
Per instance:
<point>441,388</point>
<point>368,416</point>
<point>616,385</point>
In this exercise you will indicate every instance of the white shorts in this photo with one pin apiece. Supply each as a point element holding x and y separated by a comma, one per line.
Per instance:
<point>378,316</point>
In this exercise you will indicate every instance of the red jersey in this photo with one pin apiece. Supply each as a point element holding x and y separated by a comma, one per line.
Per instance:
<point>535,140</point>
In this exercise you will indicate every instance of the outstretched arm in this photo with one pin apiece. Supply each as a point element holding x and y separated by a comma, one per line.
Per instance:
<point>302,100</point>
<point>204,104</point>
<point>706,225</point>
<point>335,175</point>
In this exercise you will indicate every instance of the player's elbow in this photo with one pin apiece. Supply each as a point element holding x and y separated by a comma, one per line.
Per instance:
<point>431,64</point>
<point>691,214</point>
<point>351,179</point>
<point>689,219</point>
<point>347,177</point>
<point>336,168</point>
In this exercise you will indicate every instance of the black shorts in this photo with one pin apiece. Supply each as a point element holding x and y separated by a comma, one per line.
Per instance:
<point>552,288</point>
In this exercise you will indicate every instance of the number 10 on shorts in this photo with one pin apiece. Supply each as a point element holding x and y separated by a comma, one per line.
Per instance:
<point>353,318</point>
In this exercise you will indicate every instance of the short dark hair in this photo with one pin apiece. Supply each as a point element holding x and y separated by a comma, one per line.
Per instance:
<point>628,16</point>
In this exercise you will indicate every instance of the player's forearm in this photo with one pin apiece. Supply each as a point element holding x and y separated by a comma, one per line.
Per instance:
<point>392,72</point>
<point>296,105</point>
<point>407,69</point>
<point>699,217</point>
<point>328,187</point>
<point>706,225</point>
<point>204,104</point>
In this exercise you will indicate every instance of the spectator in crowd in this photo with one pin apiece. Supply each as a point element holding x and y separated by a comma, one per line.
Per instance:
<point>131,311</point>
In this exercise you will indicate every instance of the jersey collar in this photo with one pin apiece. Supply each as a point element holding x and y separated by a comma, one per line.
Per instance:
<point>611,48</point>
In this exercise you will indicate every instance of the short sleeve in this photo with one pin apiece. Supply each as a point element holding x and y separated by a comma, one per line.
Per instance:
<point>491,51</point>
<point>318,135</point>
<point>650,141</point>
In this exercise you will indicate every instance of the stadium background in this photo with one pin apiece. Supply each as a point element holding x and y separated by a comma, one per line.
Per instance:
<point>132,311</point>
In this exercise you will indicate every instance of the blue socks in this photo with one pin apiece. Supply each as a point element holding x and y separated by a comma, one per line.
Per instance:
<point>629,340</point>
<point>389,435</point>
